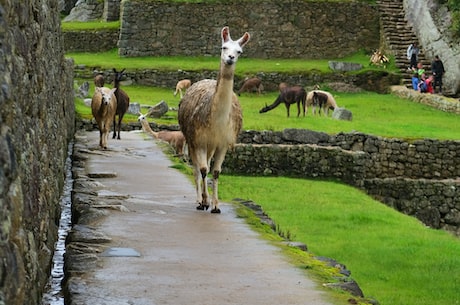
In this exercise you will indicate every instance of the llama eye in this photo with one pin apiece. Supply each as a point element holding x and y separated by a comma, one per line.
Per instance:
<point>224,48</point>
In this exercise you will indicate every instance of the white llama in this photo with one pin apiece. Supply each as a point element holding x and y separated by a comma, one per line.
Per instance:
<point>210,118</point>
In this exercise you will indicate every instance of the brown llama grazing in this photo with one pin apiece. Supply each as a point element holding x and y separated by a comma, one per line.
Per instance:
<point>99,80</point>
<point>210,118</point>
<point>330,104</point>
<point>122,102</point>
<point>174,138</point>
<point>250,85</point>
<point>182,85</point>
<point>290,95</point>
<point>104,107</point>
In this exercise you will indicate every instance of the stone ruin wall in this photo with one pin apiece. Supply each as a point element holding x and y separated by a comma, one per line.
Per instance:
<point>287,29</point>
<point>419,178</point>
<point>37,119</point>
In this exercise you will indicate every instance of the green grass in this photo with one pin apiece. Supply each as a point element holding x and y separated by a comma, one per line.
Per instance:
<point>246,66</point>
<point>90,26</point>
<point>377,114</point>
<point>393,257</point>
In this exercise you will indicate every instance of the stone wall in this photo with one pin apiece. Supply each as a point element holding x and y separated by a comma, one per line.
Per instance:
<point>419,178</point>
<point>377,81</point>
<point>287,29</point>
<point>90,41</point>
<point>37,119</point>
<point>386,158</point>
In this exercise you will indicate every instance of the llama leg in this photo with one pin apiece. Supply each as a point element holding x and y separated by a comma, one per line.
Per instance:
<point>100,137</point>
<point>219,157</point>
<point>114,127</point>
<point>199,183</point>
<point>120,117</point>
<point>201,171</point>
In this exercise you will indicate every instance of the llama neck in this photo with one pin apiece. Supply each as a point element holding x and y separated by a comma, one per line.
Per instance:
<point>222,99</point>
<point>103,109</point>
<point>146,128</point>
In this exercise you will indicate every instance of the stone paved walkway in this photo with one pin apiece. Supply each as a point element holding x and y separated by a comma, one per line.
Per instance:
<point>185,256</point>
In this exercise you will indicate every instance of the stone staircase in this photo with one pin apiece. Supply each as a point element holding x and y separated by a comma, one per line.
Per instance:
<point>398,35</point>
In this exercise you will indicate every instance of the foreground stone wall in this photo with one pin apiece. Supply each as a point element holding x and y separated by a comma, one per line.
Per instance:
<point>37,119</point>
<point>287,29</point>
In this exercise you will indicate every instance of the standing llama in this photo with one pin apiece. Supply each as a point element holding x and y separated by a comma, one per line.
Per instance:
<point>251,84</point>
<point>99,80</point>
<point>122,102</point>
<point>210,117</point>
<point>104,107</point>
<point>182,85</point>
<point>288,96</point>
<point>330,104</point>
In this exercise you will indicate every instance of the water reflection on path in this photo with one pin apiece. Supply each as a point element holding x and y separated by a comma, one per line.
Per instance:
<point>53,293</point>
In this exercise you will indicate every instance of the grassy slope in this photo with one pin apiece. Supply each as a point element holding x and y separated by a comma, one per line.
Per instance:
<point>393,257</point>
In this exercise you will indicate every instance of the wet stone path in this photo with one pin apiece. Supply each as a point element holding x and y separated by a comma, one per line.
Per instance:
<point>137,238</point>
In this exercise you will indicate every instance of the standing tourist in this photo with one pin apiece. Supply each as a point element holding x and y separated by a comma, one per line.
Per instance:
<point>437,68</point>
<point>412,55</point>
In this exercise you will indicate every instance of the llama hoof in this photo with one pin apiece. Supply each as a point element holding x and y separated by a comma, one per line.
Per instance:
<point>215,211</point>
<point>202,207</point>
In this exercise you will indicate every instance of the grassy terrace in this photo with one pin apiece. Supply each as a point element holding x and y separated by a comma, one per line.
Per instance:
<point>394,258</point>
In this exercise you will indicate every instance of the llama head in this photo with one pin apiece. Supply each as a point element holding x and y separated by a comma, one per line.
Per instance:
<point>141,117</point>
<point>231,49</point>
<point>118,75</point>
<point>106,95</point>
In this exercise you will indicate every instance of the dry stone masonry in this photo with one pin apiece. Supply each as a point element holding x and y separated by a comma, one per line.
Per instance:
<point>419,178</point>
<point>37,119</point>
<point>280,29</point>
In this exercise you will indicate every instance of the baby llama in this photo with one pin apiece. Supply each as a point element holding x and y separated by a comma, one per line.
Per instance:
<point>174,138</point>
<point>210,118</point>
<point>182,85</point>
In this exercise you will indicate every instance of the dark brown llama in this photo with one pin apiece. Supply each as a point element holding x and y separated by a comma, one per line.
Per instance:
<point>122,102</point>
<point>290,95</point>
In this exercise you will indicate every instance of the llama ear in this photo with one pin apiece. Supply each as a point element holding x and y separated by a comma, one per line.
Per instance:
<point>244,39</point>
<point>225,34</point>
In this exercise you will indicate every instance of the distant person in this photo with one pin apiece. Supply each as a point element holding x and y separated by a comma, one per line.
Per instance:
<point>417,72</point>
<point>415,79</point>
<point>437,67</point>
<point>412,55</point>
<point>422,85</point>
<point>429,84</point>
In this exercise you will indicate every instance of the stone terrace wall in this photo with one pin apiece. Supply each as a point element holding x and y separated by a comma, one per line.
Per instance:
<point>387,158</point>
<point>37,119</point>
<point>371,81</point>
<point>90,41</point>
<point>279,29</point>
<point>420,178</point>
